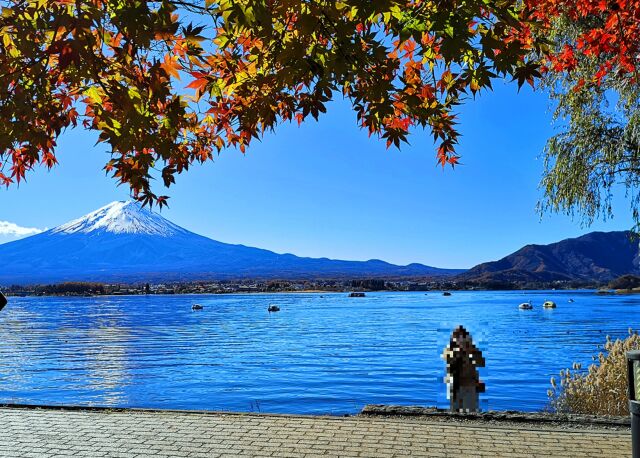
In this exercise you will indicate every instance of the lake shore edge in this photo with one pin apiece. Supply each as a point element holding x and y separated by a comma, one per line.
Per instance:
<point>417,413</point>
<point>498,416</point>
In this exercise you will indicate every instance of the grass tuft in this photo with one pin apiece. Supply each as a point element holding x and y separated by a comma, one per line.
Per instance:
<point>602,388</point>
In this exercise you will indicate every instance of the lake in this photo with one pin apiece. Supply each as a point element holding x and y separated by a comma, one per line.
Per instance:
<point>321,354</point>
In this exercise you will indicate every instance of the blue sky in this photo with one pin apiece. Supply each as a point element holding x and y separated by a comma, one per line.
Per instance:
<point>327,189</point>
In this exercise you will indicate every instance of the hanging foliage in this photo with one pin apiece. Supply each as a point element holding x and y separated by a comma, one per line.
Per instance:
<point>169,83</point>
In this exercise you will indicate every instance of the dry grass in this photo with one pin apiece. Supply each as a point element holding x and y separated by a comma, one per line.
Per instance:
<point>602,388</point>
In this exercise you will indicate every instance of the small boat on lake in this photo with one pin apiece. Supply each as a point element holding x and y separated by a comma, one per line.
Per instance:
<point>549,305</point>
<point>526,306</point>
<point>446,293</point>
<point>273,308</point>
<point>197,307</point>
<point>571,301</point>
<point>357,294</point>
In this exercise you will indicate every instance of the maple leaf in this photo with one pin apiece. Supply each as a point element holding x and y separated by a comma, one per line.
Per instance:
<point>171,66</point>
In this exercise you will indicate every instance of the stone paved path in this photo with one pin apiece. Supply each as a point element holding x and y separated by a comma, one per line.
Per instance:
<point>129,434</point>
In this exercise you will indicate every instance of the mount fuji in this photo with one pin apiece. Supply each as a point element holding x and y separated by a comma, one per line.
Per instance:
<point>123,242</point>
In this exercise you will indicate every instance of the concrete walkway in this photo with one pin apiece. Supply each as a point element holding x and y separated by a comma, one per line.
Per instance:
<point>62,433</point>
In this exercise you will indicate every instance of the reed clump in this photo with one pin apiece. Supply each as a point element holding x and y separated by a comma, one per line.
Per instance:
<point>602,388</point>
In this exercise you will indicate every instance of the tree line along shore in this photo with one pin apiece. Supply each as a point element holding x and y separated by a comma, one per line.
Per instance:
<point>624,284</point>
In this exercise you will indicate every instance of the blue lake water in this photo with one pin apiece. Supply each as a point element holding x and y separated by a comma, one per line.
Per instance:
<point>322,353</point>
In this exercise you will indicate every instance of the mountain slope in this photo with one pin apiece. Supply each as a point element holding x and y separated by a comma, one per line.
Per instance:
<point>125,243</point>
<point>597,256</point>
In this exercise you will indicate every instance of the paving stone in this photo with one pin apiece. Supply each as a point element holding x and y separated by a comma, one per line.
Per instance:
<point>41,433</point>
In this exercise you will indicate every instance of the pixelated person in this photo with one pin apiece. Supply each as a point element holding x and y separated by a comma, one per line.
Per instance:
<point>463,380</point>
<point>3,301</point>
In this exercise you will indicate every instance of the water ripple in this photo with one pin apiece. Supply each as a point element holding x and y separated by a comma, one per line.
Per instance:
<point>329,354</point>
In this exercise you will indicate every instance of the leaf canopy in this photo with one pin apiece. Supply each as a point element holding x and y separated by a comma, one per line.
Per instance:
<point>169,83</point>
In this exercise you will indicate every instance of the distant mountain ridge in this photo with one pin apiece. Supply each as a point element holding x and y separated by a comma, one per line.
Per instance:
<point>123,242</point>
<point>597,256</point>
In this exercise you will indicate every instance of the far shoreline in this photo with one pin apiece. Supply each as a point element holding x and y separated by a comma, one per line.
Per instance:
<point>322,292</point>
<point>131,286</point>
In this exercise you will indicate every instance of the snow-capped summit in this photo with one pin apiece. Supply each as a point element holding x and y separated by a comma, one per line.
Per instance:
<point>124,217</point>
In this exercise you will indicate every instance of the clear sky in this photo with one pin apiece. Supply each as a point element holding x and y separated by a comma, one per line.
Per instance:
<point>326,189</point>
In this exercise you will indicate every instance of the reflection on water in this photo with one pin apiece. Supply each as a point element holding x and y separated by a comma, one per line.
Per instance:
<point>320,354</point>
